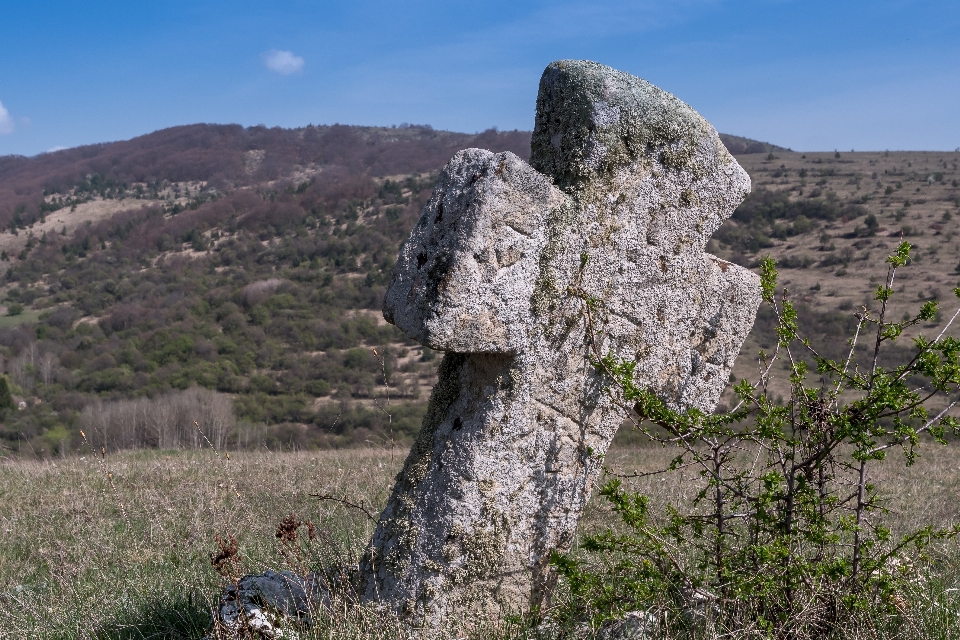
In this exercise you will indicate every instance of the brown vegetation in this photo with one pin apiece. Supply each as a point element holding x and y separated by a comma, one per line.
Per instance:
<point>252,262</point>
<point>180,419</point>
<point>219,155</point>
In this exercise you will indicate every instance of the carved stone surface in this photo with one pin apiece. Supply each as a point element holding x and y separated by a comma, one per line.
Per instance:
<point>625,185</point>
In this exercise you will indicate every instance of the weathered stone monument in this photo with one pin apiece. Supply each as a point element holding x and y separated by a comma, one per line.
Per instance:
<point>625,185</point>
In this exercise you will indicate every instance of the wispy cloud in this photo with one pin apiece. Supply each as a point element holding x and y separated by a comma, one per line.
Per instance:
<point>6,122</point>
<point>282,62</point>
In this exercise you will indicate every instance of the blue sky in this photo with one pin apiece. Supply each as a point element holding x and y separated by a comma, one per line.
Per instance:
<point>808,74</point>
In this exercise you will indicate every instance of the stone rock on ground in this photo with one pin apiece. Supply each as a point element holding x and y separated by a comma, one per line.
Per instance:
<point>633,625</point>
<point>277,605</point>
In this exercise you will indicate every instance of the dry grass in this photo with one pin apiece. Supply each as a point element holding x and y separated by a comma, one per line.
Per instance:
<point>119,547</point>
<point>84,554</point>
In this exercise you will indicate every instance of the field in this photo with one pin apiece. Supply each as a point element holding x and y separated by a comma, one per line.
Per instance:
<point>834,264</point>
<point>118,547</point>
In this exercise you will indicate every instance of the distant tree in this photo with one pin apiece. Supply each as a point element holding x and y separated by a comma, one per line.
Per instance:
<point>6,398</point>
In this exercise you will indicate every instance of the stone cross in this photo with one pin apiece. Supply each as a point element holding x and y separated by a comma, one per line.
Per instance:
<point>625,185</point>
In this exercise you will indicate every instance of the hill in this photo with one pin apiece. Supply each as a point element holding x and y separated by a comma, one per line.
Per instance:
<point>246,261</point>
<point>738,145</point>
<point>252,262</point>
<point>830,220</point>
<point>224,157</point>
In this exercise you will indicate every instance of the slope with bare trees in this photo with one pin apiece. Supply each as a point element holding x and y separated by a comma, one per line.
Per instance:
<point>251,263</point>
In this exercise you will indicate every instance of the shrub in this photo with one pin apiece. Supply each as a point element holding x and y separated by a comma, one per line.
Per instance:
<point>6,397</point>
<point>786,532</point>
<point>317,387</point>
<point>765,214</point>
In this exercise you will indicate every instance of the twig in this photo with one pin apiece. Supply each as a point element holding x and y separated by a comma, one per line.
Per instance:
<point>226,471</point>
<point>846,364</point>
<point>922,429</point>
<point>344,502</point>
<point>947,326</point>
<point>106,472</point>
<point>386,392</point>
<point>892,274</point>
<point>636,474</point>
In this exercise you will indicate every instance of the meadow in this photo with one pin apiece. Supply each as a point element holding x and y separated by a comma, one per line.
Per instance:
<point>118,546</point>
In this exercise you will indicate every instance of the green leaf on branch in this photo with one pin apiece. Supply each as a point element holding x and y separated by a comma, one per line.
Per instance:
<point>901,256</point>
<point>768,279</point>
<point>929,310</point>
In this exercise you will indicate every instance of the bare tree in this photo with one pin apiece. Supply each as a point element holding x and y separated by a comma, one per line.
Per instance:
<point>168,421</point>
<point>48,366</point>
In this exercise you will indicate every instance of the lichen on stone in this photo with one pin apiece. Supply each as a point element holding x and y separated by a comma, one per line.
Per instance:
<point>398,535</point>
<point>592,119</point>
<point>627,185</point>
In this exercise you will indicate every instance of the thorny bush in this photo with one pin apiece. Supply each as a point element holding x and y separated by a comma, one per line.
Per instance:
<point>786,533</point>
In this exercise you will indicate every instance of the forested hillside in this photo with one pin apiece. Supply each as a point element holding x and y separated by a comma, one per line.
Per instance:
<point>224,157</point>
<point>251,262</point>
<point>234,276</point>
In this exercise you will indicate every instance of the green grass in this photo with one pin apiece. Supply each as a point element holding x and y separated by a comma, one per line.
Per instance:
<point>28,316</point>
<point>84,555</point>
<point>87,555</point>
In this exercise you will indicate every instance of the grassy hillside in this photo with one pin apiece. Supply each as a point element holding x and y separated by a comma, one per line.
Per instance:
<point>830,220</point>
<point>252,262</point>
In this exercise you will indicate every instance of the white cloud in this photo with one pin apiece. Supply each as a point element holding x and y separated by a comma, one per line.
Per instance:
<point>6,122</point>
<point>55,149</point>
<point>282,62</point>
